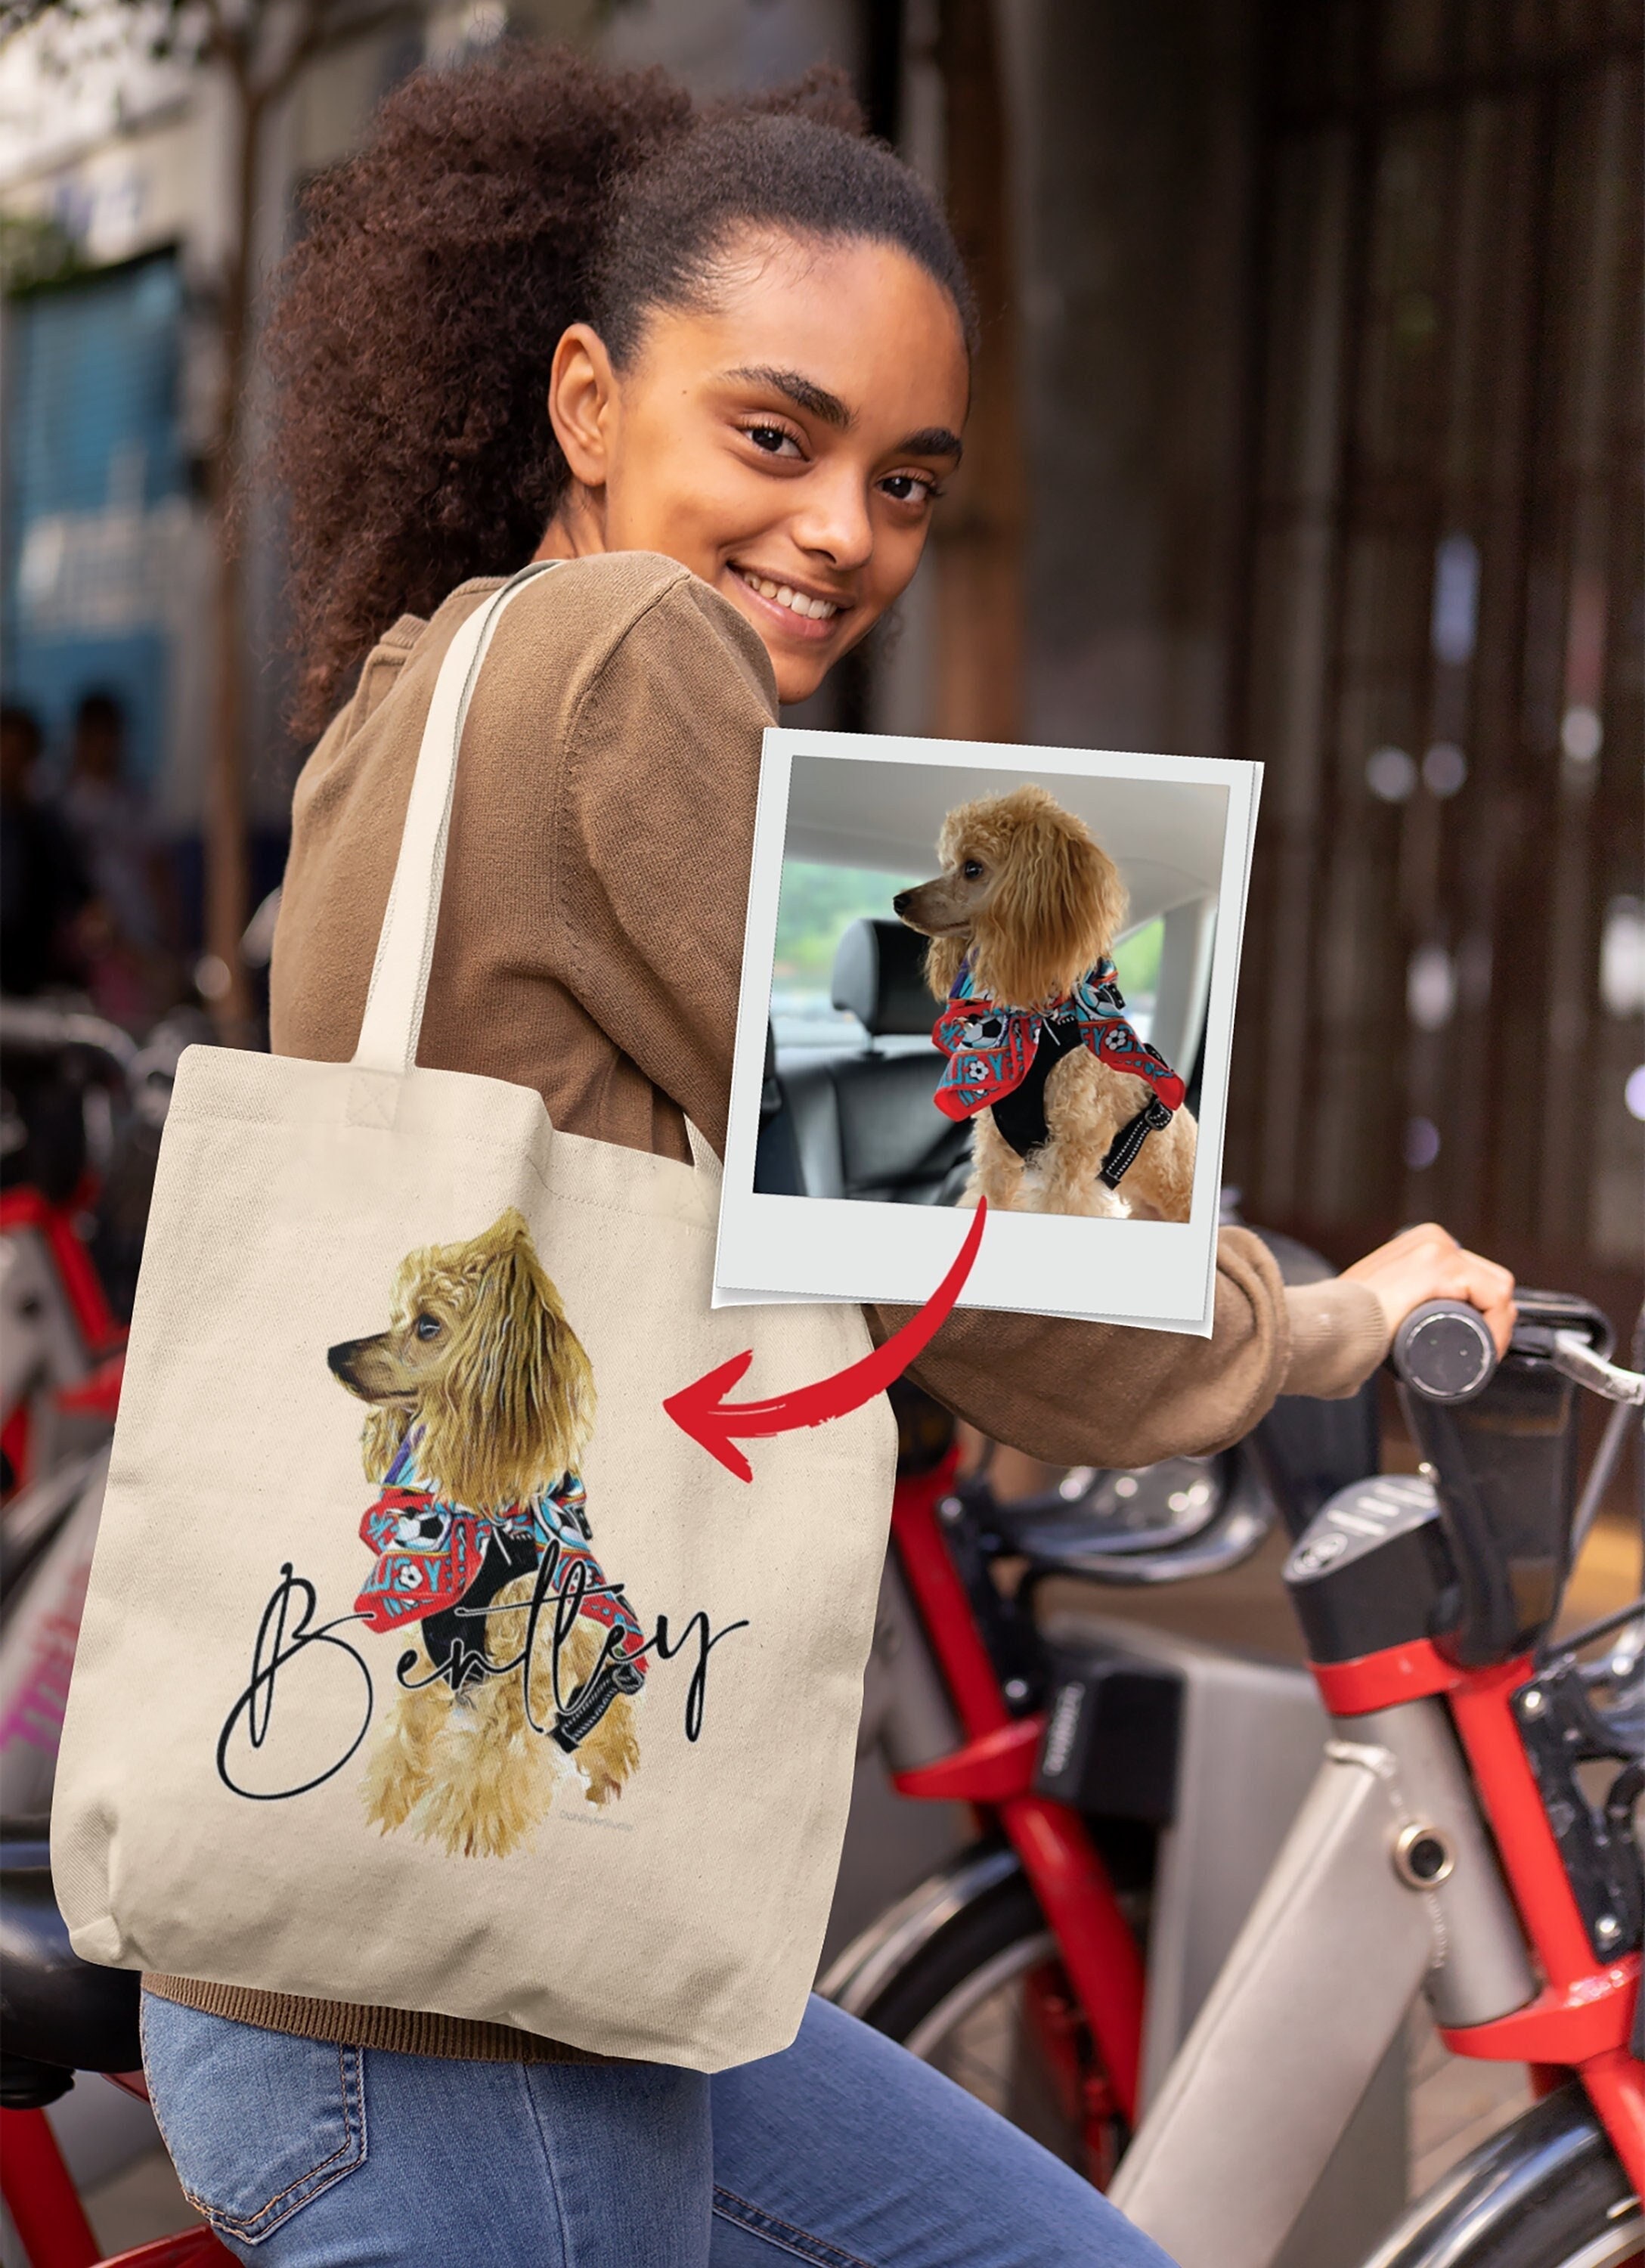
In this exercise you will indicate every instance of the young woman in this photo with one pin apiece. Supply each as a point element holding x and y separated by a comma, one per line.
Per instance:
<point>718,364</point>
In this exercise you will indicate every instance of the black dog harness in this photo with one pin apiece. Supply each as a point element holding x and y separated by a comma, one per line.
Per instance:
<point>1000,1058</point>
<point>1020,1114</point>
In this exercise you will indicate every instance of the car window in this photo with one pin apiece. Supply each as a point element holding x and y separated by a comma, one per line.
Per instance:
<point>1137,959</point>
<point>817,906</point>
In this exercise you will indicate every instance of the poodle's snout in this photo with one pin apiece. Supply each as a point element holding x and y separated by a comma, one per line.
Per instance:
<point>343,1361</point>
<point>368,1367</point>
<point>340,1360</point>
<point>936,909</point>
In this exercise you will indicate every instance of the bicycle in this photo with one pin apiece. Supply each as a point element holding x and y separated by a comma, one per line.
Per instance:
<point>1426,1604</point>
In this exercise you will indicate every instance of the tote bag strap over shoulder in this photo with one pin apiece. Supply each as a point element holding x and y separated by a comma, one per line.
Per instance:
<point>392,1021</point>
<point>405,950</point>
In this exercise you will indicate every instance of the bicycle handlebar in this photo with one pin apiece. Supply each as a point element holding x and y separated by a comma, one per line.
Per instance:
<point>1444,1351</point>
<point>40,1028</point>
<point>1575,1359</point>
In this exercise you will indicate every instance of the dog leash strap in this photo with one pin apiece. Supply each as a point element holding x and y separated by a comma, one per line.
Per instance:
<point>405,949</point>
<point>1152,1118</point>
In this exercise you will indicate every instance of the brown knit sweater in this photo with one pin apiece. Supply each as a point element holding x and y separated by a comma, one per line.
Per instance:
<point>589,945</point>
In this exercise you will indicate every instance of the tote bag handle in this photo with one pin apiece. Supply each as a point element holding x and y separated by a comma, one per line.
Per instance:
<point>405,950</point>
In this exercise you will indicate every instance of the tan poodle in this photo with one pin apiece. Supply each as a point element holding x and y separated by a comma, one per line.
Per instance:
<point>482,1405</point>
<point>1073,1112</point>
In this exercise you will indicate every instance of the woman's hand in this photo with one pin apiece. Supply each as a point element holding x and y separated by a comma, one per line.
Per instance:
<point>1429,1263</point>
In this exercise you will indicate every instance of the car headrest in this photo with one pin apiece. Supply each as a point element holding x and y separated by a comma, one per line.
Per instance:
<point>879,975</point>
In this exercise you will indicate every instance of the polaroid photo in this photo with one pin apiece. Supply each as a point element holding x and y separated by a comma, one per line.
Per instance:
<point>978,970</point>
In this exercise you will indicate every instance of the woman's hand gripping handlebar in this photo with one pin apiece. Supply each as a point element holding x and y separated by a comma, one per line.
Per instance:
<point>1426,1266</point>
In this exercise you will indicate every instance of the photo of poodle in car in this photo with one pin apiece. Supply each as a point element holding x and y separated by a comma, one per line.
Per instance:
<point>481,1408</point>
<point>1073,1112</point>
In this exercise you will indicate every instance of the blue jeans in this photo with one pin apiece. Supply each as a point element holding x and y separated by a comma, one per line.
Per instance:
<point>843,2152</point>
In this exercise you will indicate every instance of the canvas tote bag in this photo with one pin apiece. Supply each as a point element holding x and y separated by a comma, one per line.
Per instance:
<point>393,1422</point>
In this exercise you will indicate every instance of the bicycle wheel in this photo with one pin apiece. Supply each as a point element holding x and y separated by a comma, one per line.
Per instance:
<point>1547,2191</point>
<point>980,1994</point>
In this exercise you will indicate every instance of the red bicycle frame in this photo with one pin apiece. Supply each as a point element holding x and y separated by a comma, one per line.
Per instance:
<point>102,1335</point>
<point>49,2219</point>
<point>994,1770</point>
<point>1580,2020</point>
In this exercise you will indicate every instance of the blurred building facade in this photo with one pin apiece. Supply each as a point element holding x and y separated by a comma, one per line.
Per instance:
<point>1308,428</point>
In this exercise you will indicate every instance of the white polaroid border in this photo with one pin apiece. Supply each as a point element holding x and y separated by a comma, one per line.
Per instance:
<point>1159,1275</point>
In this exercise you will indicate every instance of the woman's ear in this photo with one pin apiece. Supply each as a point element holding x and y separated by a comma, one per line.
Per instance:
<point>1052,914</point>
<point>583,404</point>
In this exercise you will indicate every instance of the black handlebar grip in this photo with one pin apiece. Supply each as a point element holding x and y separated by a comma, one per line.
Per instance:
<point>1444,1351</point>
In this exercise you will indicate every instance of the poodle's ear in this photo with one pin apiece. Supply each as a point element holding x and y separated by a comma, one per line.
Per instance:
<point>519,1392</point>
<point>943,956</point>
<point>1053,913</point>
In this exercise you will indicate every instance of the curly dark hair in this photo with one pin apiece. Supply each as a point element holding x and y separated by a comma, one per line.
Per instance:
<point>493,205</point>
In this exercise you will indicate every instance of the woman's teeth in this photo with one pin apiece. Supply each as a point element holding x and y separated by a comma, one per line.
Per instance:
<point>814,610</point>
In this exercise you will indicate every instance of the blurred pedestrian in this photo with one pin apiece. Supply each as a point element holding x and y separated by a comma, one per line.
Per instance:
<point>131,972</point>
<point>44,889</point>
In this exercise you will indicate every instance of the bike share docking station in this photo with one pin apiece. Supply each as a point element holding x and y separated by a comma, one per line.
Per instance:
<point>1188,1763</point>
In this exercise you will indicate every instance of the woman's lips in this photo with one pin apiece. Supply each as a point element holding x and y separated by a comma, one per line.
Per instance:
<point>775,602</point>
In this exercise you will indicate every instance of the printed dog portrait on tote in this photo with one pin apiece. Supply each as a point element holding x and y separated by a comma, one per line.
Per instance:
<point>1072,1111</point>
<point>524,1663</point>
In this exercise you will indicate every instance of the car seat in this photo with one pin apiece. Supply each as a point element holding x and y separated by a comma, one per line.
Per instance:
<point>863,1122</point>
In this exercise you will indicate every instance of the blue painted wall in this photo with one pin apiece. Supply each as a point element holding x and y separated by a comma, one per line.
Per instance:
<point>90,424</point>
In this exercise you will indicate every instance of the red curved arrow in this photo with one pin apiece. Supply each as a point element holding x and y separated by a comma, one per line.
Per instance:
<point>701,1411</point>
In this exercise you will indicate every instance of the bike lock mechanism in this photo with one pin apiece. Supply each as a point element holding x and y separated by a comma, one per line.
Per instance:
<point>1500,1446</point>
<point>1498,1443</point>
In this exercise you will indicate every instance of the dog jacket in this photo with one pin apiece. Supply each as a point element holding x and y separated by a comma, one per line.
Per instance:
<point>434,1556</point>
<point>995,1052</point>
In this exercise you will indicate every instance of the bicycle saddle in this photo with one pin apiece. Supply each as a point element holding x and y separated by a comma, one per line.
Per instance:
<point>1183,1517</point>
<point>58,2014</point>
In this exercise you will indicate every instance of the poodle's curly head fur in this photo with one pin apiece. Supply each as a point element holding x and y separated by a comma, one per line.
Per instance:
<point>1027,889</point>
<point>479,1353</point>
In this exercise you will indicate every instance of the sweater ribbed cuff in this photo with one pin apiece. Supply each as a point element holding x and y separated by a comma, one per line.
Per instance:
<point>1339,1334</point>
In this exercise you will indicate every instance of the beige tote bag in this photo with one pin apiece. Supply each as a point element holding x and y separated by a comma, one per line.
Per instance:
<point>427,1664</point>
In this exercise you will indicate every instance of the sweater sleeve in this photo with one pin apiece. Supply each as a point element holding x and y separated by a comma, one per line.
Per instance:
<point>1101,1393</point>
<point>653,838</point>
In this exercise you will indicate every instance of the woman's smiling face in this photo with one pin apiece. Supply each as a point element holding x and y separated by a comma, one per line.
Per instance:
<point>787,445</point>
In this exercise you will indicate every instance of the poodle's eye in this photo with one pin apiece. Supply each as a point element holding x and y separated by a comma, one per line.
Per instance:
<point>972,870</point>
<point>427,1327</point>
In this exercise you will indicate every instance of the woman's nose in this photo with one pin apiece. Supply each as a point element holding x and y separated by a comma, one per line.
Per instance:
<point>833,521</point>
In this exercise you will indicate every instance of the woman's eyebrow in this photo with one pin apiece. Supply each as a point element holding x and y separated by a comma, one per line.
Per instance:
<point>803,392</point>
<point>931,441</point>
<point>817,401</point>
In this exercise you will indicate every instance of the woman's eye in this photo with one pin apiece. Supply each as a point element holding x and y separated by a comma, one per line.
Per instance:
<point>972,870</point>
<point>910,487</point>
<point>772,439</point>
<point>427,1327</point>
